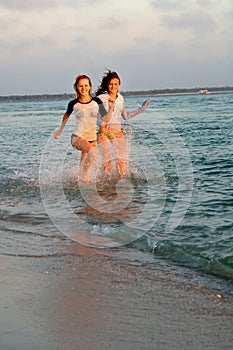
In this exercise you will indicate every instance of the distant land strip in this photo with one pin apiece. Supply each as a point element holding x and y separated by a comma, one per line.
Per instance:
<point>67,96</point>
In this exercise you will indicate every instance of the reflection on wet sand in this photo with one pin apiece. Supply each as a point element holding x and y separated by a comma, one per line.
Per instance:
<point>127,212</point>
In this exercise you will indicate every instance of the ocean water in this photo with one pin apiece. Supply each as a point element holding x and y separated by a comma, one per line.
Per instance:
<point>176,204</point>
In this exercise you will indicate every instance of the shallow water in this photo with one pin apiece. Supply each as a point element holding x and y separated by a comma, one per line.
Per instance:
<point>176,204</point>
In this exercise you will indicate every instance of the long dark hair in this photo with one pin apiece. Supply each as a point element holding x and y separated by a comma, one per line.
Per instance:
<point>79,77</point>
<point>103,87</point>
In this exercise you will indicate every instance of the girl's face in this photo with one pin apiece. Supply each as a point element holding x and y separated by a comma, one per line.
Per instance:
<point>113,86</point>
<point>84,87</point>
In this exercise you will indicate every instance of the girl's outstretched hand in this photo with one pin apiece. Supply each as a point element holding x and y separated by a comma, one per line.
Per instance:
<point>56,134</point>
<point>145,103</point>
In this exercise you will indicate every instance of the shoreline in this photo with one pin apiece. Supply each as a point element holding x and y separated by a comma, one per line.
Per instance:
<point>100,299</point>
<point>66,96</point>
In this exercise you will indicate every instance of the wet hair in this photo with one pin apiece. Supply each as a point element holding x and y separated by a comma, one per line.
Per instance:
<point>77,80</point>
<point>107,77</point>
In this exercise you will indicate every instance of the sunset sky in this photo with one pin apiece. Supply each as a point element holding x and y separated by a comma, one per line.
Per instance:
<point>152,44</point>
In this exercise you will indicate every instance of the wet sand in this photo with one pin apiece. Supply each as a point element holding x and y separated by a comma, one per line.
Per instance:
<point>98,299</point>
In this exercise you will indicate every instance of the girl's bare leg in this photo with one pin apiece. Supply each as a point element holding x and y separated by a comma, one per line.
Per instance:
<point>121,155</point>
<point>83,157</point>
<point>88,160</point>
<point>105,149</point>
<point>88,155</point>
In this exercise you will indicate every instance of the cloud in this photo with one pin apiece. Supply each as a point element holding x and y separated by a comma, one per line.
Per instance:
<point>205,3</point>
<point>229,14</point>
<point>176,5</point>
<point>159,43</point>
<point>199,21</point>
<point>168,5</point>
<point>28,5</point>
<point>111,23</point>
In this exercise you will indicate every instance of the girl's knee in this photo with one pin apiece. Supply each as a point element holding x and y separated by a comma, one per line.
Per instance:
<point>92,152</point>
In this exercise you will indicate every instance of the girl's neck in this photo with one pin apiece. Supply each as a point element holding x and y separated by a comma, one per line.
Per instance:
<point>113,96</point>
<point>84,99</point>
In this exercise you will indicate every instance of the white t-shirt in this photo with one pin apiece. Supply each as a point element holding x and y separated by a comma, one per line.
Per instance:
<point>119,110</point>
<point>86,116</point>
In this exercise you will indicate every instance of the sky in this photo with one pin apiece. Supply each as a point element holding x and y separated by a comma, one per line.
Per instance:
<point>152,44</point>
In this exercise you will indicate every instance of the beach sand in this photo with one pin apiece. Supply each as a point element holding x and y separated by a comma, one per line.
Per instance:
<point>100,299</point>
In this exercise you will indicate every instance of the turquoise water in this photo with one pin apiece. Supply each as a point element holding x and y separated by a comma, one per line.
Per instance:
<point>176,204</point>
